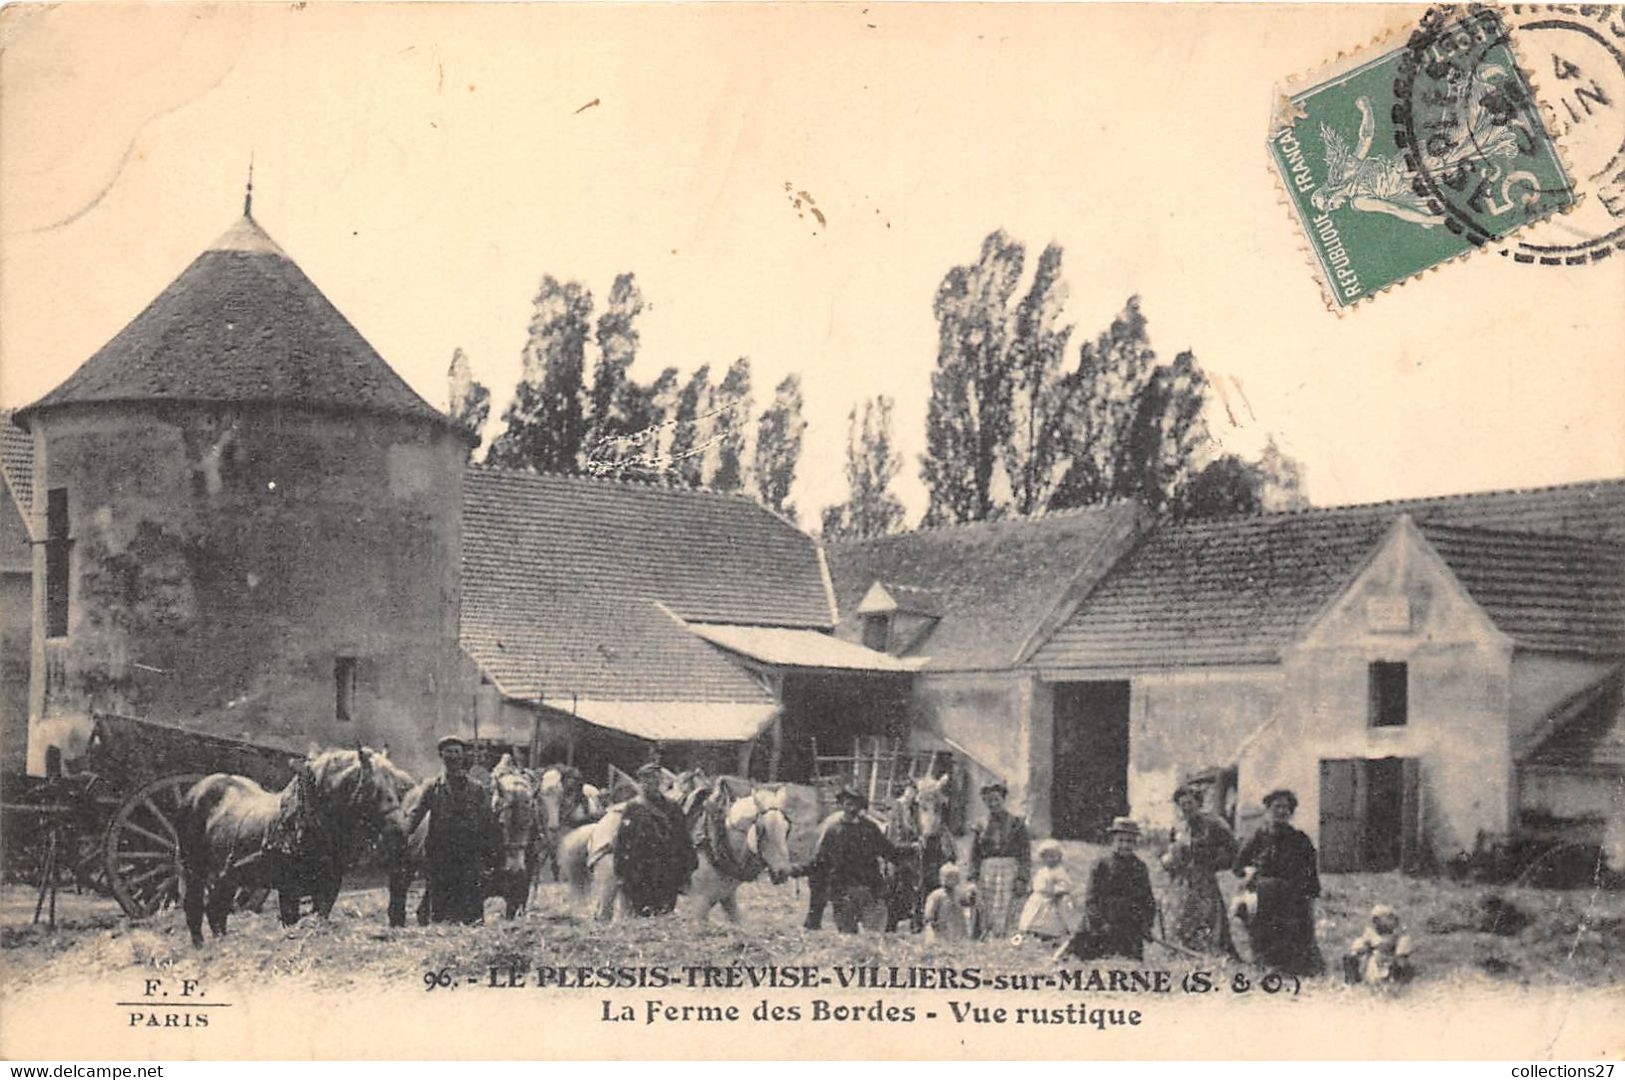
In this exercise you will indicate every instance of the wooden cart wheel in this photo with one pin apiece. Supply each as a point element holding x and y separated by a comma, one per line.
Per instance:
<point>143,846</point>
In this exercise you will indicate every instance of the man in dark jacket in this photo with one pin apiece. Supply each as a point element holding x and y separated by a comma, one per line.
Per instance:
<point>654,854</point>
<point>848,861</point>
<point>461,841</point>
<point>1119,910</point>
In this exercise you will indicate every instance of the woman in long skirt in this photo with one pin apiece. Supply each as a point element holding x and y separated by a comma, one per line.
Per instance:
<point>1278,863</point>
<point>1201,846</point>
<point>1001,864</point>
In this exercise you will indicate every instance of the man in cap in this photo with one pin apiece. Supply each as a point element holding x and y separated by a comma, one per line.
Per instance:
<point>462,837</point>
<point>848,861</point>
<point>1279,867</point>
<point>654,854</point>
<point>1119,909</point>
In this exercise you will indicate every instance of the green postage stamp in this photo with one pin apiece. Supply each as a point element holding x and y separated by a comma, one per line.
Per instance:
<point>1399,161</point>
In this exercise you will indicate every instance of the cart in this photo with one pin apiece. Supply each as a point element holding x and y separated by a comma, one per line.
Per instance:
<point>109,821</point>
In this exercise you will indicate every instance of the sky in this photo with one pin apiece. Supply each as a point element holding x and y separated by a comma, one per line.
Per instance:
<point>426,166</point>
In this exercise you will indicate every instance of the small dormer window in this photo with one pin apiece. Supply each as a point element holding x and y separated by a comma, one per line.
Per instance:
<point>877,632</point>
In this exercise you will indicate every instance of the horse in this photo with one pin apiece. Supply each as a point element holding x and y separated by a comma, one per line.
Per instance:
<point>920,819</point>
<point>566,801</point>
<point>235,834</point>
<point>514,806</point>
<point>738,837</point>
<point>586,854</point>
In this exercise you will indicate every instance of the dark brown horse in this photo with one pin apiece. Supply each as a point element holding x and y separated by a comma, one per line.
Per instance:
<point>515,807</point>
<point>235,834</point>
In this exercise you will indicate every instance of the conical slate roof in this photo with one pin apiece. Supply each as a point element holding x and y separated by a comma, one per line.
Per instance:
<point>241,324</point>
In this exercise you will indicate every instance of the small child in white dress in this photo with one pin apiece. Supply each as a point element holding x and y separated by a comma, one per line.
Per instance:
<point>946,916</point>
<point>1382,954</point>
<point>1049,914</point>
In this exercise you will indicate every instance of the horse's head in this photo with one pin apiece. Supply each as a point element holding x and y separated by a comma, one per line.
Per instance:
<point>513,801</point>
<point>685,784</point>
<point>361,786</point>
<point>550,797</point>
<point>931,803</point>
<point>768,837</point>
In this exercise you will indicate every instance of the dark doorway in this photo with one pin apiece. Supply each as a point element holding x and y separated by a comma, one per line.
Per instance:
<point>1090,786</point>
<point>1369,814</point>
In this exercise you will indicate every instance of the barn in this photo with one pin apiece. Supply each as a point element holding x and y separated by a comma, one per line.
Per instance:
<point>608,622</point>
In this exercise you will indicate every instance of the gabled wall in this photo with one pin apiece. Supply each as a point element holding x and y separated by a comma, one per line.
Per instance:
<point>1404,605</point>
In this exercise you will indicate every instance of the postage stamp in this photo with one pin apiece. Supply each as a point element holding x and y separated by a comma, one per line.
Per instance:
<point>1397,162</point>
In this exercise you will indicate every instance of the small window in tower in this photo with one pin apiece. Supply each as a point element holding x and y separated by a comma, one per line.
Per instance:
<point>877,632</point>
<point>1389,693</point>
<point>344,687</point>
<point>56,562</point>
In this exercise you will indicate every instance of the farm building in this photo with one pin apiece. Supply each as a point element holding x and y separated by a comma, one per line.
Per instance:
<point>246,521</point>
<point>1424,674</point>
<point>16,591</point>
<point>236,517</point>
<point>608,622</point>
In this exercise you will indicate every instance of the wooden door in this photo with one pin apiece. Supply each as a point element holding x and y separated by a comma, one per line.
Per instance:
<point>1342,796</point>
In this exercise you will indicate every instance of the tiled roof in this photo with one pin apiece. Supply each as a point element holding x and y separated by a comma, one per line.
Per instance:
<point>577,586</point>
<point>17,465</point>
<point>1237,590</point>
<point>1590,509</point>
<point>1588,728</point>
<point>991,584</point>
<point>1218,592</point>
<point>241,324</point>
<point>1544,592</point>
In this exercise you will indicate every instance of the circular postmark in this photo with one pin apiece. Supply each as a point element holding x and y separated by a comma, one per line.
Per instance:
<point>1469,131</point>
<point>1576,54</point>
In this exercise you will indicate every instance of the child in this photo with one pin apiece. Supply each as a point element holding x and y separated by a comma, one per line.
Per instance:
<point>945,913</point>
<point>1380,955</point>
<point>1120,909</point>
<point>1048,914</point>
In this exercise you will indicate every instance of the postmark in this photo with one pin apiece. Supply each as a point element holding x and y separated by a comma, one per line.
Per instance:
<point>1577,55</point>
<point>1396,161</point>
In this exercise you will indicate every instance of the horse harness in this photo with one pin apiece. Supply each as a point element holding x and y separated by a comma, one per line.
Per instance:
<point>714,842</point>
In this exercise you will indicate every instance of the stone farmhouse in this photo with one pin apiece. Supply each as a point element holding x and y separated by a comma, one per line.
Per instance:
<point>236,516</point>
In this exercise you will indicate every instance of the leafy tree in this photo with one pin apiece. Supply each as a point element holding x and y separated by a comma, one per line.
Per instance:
<point>468,402</point>
<point>613,395</point>
<point>968,420</point>
<point>871,464</point>
<point>1034,454</point>
<point>778,447</point>
<point>1283,479</point>
<point>546,424</point>
<point>1226,485</point>
<point>1232,485</point>
<point>1133,423</point>
<point>687,451</point>
<point>728,427</point>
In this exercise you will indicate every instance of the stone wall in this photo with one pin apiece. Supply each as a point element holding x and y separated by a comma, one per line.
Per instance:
<point>225,558</point>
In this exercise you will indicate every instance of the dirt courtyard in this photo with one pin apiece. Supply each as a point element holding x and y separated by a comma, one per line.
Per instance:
<point>1472,934</point>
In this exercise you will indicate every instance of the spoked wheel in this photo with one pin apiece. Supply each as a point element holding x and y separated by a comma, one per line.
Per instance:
<point>144,846</point>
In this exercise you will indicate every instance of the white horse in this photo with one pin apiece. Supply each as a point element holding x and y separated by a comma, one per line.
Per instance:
<point>737,840</point>
<point>564,801</point>
<point>753,830</point>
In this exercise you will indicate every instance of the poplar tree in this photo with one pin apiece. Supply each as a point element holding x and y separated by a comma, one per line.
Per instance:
<point>871,464</point>
<point>778,447</point>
